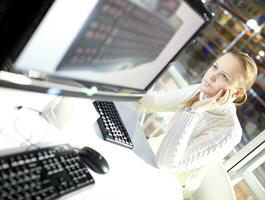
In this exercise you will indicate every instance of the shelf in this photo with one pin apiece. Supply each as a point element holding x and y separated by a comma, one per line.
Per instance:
<point>224,27</point>
<point>235,11</point>
<point>217,44</point>
<point>224,39</point>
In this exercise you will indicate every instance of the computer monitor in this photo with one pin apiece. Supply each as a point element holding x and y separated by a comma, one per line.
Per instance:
<point>107,48</point>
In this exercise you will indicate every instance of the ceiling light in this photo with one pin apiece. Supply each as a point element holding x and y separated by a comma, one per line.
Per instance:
<point>253,25</point>
<point>261,53</point>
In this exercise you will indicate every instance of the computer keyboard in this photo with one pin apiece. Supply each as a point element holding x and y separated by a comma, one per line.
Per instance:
<point>45,173</point>
<point>111,125</point>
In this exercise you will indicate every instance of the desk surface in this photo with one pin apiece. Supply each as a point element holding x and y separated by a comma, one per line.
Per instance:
<point>132,173</point>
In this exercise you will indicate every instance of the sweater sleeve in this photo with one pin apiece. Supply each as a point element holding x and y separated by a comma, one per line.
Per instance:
<point>168,101</point>
<point>177,152</point>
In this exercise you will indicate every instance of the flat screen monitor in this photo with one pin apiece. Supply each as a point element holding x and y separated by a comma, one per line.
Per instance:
<point>112,48</point>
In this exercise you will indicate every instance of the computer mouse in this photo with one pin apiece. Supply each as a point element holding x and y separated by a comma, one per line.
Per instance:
<point>94,160</point>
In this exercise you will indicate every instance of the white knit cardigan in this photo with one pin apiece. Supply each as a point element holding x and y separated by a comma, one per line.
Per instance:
<point>194,142</point>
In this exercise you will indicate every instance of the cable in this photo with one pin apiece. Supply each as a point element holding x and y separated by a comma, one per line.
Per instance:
<point>28,140</point>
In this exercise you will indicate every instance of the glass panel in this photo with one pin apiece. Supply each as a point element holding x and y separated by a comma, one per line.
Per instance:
<point>252,117</point>
<point>252,178</point>
<point>260,174</point>
<point>154,124</point>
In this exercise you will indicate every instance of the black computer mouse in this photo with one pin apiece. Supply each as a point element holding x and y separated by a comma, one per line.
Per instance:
<point>94,160</point>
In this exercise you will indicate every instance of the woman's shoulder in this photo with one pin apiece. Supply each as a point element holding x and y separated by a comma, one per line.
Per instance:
<point>225,129</point>
<point>230,124</point>
<point>226,121</point>
<point>232,116</point>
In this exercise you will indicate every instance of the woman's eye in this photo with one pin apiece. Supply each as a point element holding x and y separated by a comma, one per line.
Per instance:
<point>215,66</point>
<point>225,77</point>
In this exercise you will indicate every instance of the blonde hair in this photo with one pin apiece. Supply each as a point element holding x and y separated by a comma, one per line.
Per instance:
<point>249,76</point>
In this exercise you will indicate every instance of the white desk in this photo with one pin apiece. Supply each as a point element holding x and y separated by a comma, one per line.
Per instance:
<point>132,174</point>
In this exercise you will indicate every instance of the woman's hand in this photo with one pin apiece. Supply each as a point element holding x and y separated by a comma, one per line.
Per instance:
<point>213,102</point>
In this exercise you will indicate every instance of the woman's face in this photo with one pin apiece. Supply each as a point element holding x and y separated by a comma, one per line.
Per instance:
<point>225,73</point>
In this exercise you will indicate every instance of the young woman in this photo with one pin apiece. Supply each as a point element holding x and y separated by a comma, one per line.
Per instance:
<point>205,127</point>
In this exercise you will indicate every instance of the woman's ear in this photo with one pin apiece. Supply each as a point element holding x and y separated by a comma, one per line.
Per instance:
<point>240,96</point>
<point>239,92</point>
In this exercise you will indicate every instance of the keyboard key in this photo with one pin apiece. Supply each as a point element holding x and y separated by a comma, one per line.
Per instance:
<point>45,173</point>
<point>111,125</point>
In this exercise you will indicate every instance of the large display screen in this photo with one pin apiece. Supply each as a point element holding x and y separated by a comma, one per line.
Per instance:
<point>113,42</point>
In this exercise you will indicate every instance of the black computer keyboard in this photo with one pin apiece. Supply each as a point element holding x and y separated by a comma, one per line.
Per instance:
<point>45,173</point>
<point>111,125</point>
